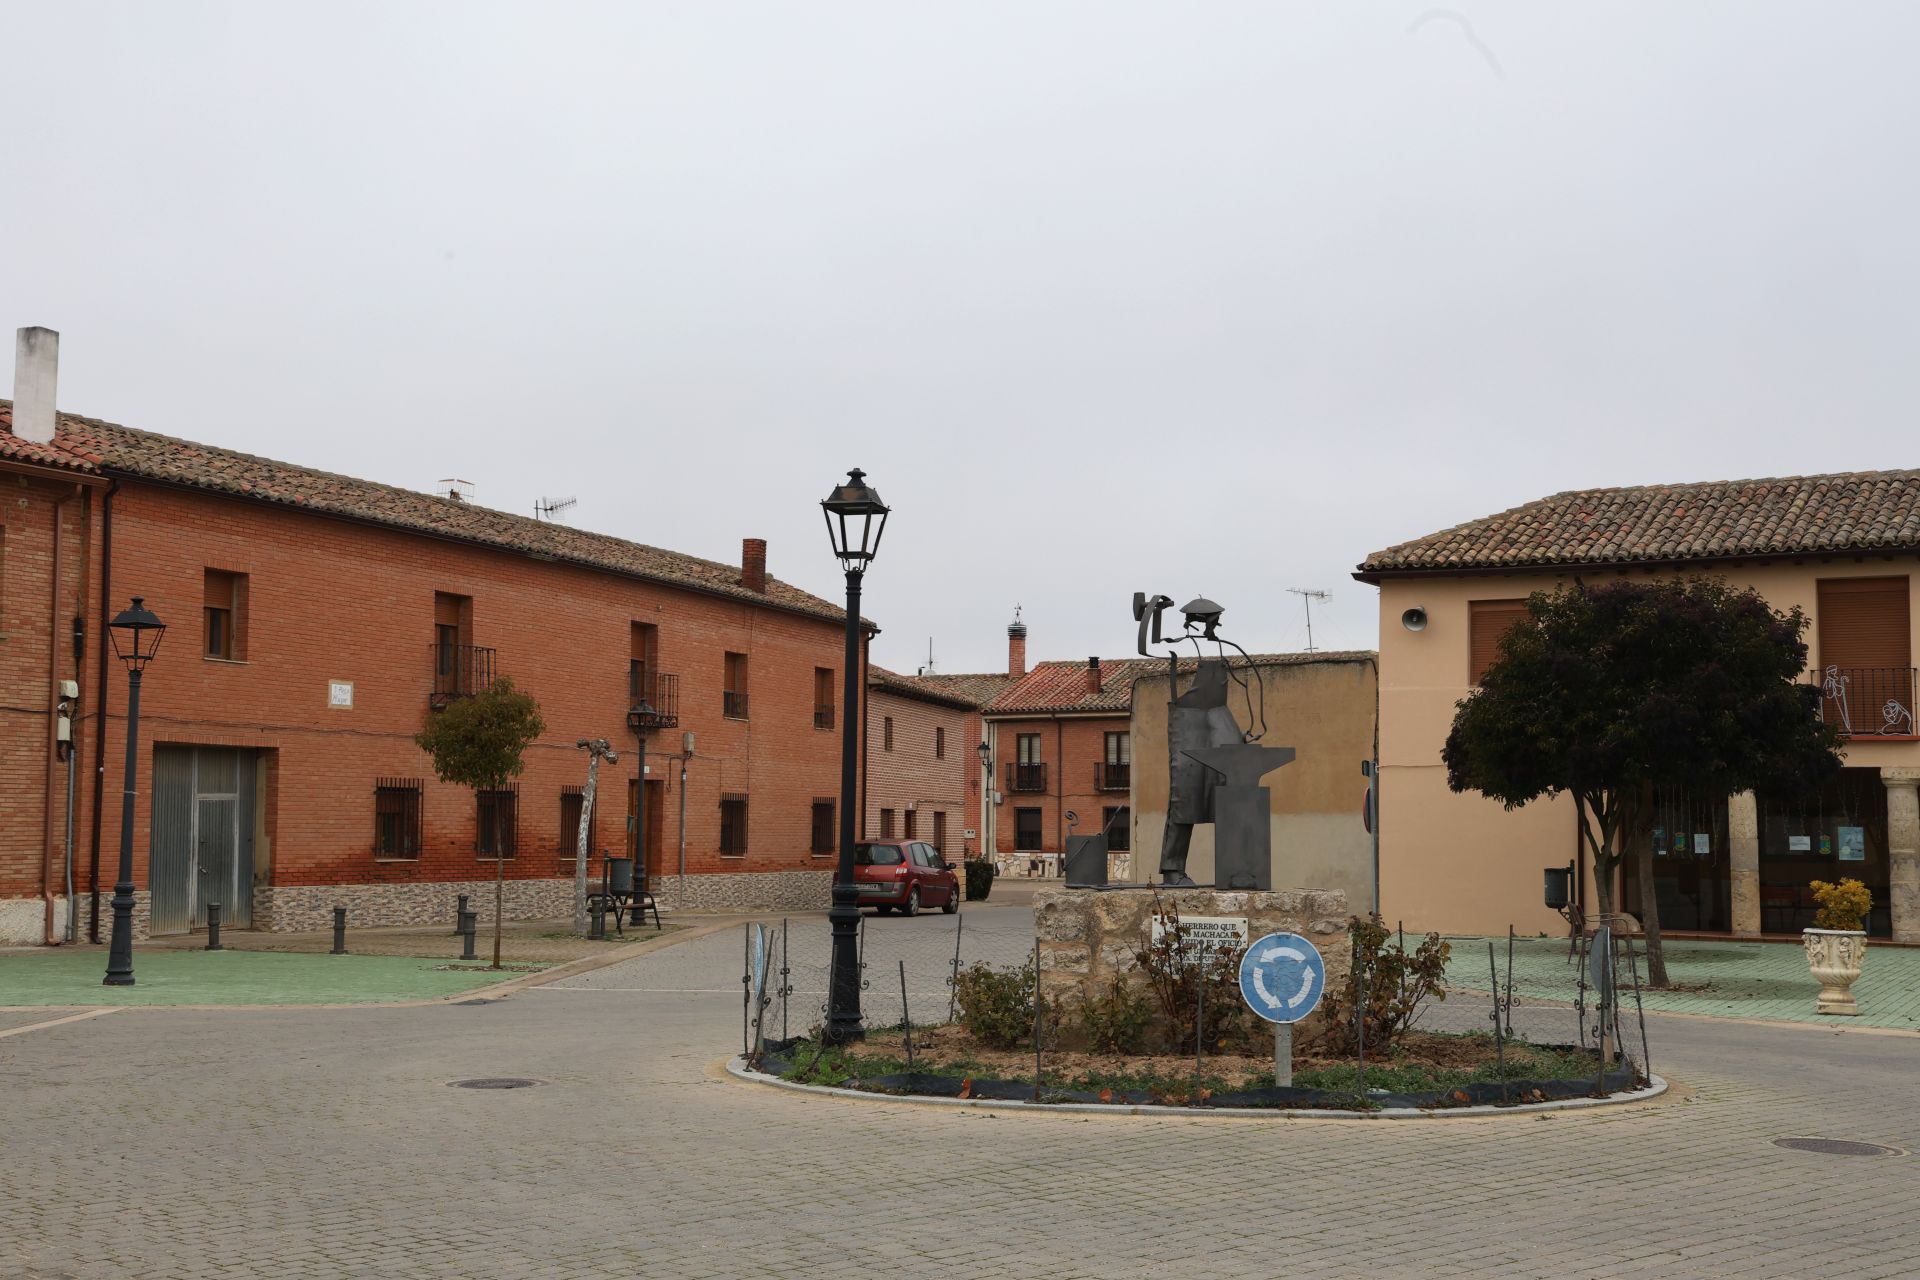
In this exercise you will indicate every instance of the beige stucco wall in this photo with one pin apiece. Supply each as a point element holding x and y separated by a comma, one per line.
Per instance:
<point>1460,863</point>
<point>1325,711</point>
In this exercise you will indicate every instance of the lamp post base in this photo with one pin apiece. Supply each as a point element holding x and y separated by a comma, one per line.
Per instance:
<point>120,952</point>
<point>843,982</point>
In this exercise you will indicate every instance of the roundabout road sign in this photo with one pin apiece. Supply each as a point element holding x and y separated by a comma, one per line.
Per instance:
<point>1282,977</point>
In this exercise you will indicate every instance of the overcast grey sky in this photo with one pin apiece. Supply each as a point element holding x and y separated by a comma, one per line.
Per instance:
<point>1104,296</point>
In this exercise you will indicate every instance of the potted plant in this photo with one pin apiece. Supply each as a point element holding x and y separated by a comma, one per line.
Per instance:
<point>1837,944</point>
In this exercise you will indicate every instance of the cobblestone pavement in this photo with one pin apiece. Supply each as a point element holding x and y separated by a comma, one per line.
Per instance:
<point>542,940</point>
<point>326,1143</point>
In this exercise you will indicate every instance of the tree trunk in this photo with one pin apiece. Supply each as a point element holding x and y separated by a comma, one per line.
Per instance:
<point>1600,850</point>
<point>1640,835</point>
<point>499,897</point>
<point>581,852</point>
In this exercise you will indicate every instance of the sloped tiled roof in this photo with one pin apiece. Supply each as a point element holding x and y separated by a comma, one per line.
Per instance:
<point>969,691</point>
<point>1715,520</point>
<point>87,444</point>
<point>1061,687</point>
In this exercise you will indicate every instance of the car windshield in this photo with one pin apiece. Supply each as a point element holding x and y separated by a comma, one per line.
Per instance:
<point>877,855</point>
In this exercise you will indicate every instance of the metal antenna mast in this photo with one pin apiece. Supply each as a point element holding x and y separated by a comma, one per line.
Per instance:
<point>548,508</point>
<point>1307,598</point>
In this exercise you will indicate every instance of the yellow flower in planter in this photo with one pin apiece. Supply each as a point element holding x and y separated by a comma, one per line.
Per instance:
<point>1842,906</point>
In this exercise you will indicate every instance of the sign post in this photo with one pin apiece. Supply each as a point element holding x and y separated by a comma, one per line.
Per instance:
<point>1282,978</point>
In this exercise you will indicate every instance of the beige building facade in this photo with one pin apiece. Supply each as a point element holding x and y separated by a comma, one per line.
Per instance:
<point>1324,706</point>
<point>1842,549</point>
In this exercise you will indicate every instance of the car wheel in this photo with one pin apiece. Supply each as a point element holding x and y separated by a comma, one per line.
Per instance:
<point>952,904</point>
<point>912,907</point>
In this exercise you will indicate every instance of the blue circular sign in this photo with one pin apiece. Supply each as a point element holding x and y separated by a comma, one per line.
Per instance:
<point>1282,977</point>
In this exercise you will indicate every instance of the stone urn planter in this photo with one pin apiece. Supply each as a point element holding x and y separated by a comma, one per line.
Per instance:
<point>1836,955</point>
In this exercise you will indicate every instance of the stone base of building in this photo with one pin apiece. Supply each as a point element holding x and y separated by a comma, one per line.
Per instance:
<point>23,921</point>
<point>807,890</point>
<point>302,907</point>
<point>1088,937</point>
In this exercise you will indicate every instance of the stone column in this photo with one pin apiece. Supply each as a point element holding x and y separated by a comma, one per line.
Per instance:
<point>1903,850</point>
<point>1743,840</point>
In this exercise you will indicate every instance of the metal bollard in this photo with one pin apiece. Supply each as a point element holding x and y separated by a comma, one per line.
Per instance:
<point>469,922</point>
<point>458,912</point>
<point>213,927</point>
<point>339,931</point>
<point>597,927</point>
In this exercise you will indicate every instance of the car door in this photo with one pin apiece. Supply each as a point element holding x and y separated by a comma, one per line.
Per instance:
<point>938,888</point>
<point>925,874</point>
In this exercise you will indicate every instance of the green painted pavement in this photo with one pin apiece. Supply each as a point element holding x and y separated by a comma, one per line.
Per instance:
<point>1721,979</point>
<point>60,977</point>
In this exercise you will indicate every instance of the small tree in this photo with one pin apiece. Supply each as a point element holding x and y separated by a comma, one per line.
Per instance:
<point>478,742</point>
<point>1607,692</point>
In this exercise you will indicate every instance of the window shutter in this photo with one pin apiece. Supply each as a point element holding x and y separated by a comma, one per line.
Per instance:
<point>1489,620</point>
<point>1864,623</point>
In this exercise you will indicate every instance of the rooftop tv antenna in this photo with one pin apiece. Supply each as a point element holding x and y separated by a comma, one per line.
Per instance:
<point>458,490</point>
<point>1307,598</point>
<point>928,669</point>
<point>548,508</point>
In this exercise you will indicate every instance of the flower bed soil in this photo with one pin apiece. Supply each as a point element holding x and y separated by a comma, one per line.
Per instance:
<point>949,1063</point>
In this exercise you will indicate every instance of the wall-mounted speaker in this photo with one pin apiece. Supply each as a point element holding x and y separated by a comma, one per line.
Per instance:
<point>1414,619</point>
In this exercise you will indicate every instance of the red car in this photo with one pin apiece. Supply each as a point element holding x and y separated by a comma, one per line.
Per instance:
<point>908,874</point>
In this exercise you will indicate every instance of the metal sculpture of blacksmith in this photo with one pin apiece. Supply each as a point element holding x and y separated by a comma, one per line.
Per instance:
<point>1214,767</point>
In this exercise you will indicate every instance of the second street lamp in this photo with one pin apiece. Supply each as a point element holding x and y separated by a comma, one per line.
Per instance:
<point>855,520</point>
<point>136,636</point>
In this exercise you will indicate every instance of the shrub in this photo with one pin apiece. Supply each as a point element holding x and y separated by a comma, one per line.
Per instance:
<point>1842,906</point>
<point>1396,985</point>
<point>1117,1020</point>
<point>979,879</point>
<point>1176,981</point>
<point>996,1005</point>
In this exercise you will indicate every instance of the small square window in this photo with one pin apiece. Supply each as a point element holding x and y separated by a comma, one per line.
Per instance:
<point>396,818</point>
<point>733,826</point>
<point>495,824</point>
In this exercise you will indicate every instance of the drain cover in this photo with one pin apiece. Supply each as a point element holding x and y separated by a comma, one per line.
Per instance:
<point>496,1082</point>
<point>1836,1147</point>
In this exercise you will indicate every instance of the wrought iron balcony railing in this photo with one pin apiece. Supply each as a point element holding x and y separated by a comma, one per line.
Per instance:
<point>823,716</point>
<point>733,704</point>
<point>1026,777</point>
<point>459,671</point>
<point>1111,777</point>
<point>660,691</point>
<point>1867,702</point>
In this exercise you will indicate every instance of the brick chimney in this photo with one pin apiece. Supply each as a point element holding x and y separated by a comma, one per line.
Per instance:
<point>1016,647</point>
<point>1093,675</point>
<point>753,564</point>
<point>36,362</point>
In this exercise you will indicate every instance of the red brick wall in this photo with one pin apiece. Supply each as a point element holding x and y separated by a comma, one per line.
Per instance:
<point>334,600</point>
<point>911,776</point>
<point>1069,748</point>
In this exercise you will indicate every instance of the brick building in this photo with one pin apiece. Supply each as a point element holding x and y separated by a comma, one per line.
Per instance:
<point>923,766</point>
<point>313,621</point>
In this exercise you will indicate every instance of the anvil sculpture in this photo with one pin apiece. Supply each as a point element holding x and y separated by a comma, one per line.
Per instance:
<point>1242,831</point>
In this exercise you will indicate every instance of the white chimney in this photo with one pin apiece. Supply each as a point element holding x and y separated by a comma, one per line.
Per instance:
<point>36,365</point>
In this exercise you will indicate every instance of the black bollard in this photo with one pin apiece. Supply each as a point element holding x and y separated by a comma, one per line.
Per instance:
<point>458,913</point>
<point>339,931</point>
<point>469,921</point>
<point>597,928</point>
<point>213,927</point>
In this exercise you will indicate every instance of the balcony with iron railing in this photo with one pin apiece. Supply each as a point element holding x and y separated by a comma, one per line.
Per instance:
<point>459,671</point>
<point>659,691</point>
<point>1026,777</point>
<point>1108,776</point>
<point>1867,702</point>
<point>733,704</point>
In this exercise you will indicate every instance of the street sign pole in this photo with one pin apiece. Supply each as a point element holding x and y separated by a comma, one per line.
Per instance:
<point>1282,977</point>
<point>1283,1054</point>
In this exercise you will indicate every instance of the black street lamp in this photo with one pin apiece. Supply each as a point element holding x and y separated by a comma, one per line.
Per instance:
<point>641,719</point>
<point>855,520</point>
<point>136,636</point>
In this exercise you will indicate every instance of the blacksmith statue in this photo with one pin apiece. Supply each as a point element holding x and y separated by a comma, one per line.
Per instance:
<point>1214,768</point>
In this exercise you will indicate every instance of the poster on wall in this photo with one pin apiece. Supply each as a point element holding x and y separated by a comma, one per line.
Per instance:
<point>1853,844</point>
<point>1659,842</point>
<point>1826,845</point>
<point>1680,842</point>
<point>1799,844</point>
<point>1702,844</point>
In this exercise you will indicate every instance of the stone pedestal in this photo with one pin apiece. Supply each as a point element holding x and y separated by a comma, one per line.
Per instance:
<point>1903,851</point>
<point>1743,836</point>
<point>1089,936</point>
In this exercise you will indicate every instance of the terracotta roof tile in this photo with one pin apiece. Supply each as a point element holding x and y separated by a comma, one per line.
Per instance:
<point>91,445</point>
<point>969,691</point>
<point>1052,687</point>
<point>1714,520</point>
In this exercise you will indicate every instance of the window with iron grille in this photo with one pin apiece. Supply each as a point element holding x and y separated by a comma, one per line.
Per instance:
<point>572,801</point>
<point>733,826</point>
<point>396,818</point>
<point>496,824</point>
<point>939,743</point>
<point>886,824</point>
<point>1118,824</point>
<point>823,697</point>
<point>823,841</point>
<point>886,733</point>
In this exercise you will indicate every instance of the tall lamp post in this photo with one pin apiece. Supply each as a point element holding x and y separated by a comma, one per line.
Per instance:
<point>985,753</point>
<point>855,520</point>
<point>136,635</point>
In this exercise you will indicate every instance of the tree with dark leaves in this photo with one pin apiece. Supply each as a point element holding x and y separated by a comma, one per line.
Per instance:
<point>1605,693</point>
